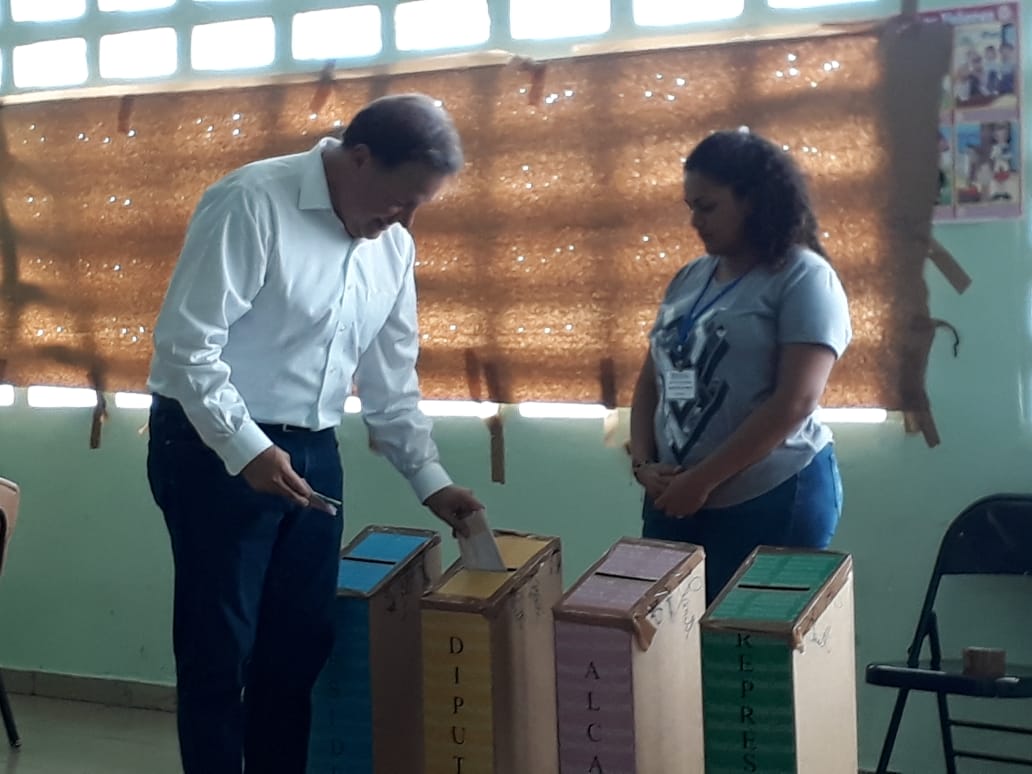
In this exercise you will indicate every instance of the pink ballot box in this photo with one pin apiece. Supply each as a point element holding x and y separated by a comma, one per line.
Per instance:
<point>488,669</point>
<point>628,665</point>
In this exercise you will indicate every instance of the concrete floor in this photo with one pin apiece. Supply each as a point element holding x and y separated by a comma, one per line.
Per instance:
<point>74,737</point>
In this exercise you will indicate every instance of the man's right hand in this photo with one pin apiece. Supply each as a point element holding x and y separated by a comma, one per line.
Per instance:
<point>271,473</point>
<point>655,477</point>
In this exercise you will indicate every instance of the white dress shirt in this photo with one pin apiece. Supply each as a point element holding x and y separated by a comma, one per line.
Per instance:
<point>274,311</point>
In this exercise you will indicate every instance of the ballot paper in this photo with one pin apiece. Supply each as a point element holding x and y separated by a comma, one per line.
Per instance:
<point>478,549</point>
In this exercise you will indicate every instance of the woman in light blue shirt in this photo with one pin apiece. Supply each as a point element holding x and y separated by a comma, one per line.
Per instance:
<point>724,435</point>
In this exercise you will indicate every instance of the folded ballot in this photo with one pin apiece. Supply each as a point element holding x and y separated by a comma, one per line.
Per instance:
<point>479,549</point>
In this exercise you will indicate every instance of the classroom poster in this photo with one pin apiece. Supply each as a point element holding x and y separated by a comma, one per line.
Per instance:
<point>979,127</point>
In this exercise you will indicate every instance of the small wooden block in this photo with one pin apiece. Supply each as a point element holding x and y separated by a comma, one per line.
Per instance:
<point>985,662</point>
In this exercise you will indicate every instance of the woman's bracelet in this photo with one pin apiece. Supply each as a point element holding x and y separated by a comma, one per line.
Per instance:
<point>637,465</point>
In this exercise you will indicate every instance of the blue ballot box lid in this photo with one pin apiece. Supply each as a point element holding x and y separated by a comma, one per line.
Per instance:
<point>376,554</point>
<point>386,546</point>
<point>362,576</point>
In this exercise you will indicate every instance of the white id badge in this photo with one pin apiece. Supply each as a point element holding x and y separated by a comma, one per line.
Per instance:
<point>680,384</point>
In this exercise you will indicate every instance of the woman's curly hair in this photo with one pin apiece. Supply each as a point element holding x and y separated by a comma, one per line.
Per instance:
<point>768,179</point>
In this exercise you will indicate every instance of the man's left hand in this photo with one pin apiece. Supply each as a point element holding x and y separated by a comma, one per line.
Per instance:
<point>452,505</point>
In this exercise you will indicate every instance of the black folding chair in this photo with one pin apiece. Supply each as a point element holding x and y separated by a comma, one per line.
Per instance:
<point>992,537</point>
<point>9,498</point>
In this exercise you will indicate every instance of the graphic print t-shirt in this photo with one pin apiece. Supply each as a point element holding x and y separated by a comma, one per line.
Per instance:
<point>732,346</point>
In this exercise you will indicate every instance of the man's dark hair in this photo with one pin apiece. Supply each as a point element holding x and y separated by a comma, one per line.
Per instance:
<point>407,127</point>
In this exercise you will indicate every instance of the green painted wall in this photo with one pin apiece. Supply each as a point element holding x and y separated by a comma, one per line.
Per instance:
<point>88,585</point>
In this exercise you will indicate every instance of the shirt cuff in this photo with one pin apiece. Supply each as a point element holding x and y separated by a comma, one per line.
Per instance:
<point>431,478</point>
<point>242,447</point>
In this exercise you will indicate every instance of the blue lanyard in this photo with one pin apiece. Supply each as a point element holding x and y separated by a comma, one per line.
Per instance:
<point>689,320</point>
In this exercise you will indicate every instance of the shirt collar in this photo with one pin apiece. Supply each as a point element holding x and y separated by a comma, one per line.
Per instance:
<point>315,192</point>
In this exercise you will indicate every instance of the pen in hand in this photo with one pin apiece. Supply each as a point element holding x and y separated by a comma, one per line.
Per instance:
<point>321,502</point>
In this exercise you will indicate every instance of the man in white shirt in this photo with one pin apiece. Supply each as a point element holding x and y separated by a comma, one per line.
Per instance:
<point>295,283</point>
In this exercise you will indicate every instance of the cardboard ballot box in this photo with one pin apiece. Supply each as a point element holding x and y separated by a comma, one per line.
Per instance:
<point>779,671</point>
<point>628,662</point>
<point>366,712</point>
<point>489,663</point>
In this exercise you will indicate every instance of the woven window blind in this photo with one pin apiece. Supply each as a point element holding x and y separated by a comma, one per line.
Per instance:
<point>541,267</point>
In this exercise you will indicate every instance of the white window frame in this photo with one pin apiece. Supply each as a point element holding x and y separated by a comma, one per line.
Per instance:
<point>758,19</point>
